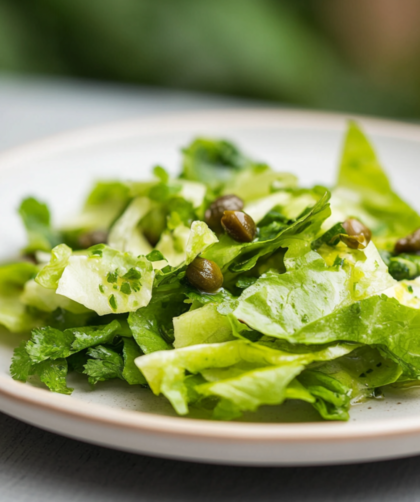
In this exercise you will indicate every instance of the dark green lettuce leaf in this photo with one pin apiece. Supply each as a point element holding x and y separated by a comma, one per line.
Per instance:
<point>152,326</point>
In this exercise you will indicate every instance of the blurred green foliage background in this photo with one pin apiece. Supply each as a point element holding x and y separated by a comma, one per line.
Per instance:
<point>356,56</point>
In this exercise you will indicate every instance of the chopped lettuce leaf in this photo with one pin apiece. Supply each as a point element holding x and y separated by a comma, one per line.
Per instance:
<point>130,372</point>
<point>279,305</point>
<point>47,300</point>
<point>200,238</point>
<point>36,218</point>
<point>14,314</point>
<point>125,234</point>
<point>103,205</point>
<point>363,371</point>
<point>291,203</point>
<point>251,390</point>
<point>332,397</point>
<point>364,191</point>
<point>107,281</point>
<point>377,321</point>
<point>165,370</point>
<point>258,181</point>
<point>172,245</point>
<point>152,326</point>
<point>202,325</point>
<point>51,273</point>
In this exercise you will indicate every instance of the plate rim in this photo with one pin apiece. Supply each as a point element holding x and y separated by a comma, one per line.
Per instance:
<point>184,427</point>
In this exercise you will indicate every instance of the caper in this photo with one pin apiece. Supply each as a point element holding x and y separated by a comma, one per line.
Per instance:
<point>409,244</point>
<point>92,238</point>
<point>358,235</point>
<point>205,275</point>
<point>240,226</point>
<point>215,212</point>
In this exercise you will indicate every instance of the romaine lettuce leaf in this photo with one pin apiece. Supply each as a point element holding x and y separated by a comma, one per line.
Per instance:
<point>202,325</point>
<point>172,245</point>
<point>280,305</point>
<point>165,370</point>
<point>200,238</point>
<point>51,273</point>
<point>362,371</point>
<point>131,373</point>
<point>152,326</point>
<point>104,204</point>
<point>47,300</point>
<point>107,281</point>
<point>364,191</point>
<point>258,181</point>
<point>125,234</point>
<point>250,390</point>
<point>14,314</point>
<point>377,321</point>
<point>37,220</point>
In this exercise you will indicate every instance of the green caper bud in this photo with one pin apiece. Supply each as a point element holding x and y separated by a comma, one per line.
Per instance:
<point>205,275</point>
<point>358,235</point>
<point>92,238</point>
<point>240,226</point>
<point>215,212</point>
<point>409,244</point>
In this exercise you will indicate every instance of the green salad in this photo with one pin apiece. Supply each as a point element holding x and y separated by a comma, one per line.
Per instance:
<point>224,289</point>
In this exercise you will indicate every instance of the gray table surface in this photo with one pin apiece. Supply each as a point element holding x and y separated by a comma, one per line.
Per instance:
<point>39,466</point>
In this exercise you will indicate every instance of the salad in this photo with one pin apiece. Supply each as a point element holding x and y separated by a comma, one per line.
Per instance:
<point>227,288</point>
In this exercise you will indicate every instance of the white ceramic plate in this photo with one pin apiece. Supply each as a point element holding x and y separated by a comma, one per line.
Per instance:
<point>60,170</point>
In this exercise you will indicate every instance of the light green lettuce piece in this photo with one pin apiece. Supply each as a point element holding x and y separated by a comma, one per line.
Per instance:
<point>37,220</point>
<point>406,292</point>
<point>165,370</point>
<point>200,238</point>
<point>258,181</point>
<point>13,313</point>
<point>202,325</point>
<point>172,245</point>
<point>47,300</point>
<point>193,192</point>
<point>279,305</point>
<point>367,272</point>
<point>362,371</point>
<point>292,203</point>
<point>377,321</point>
<point>51,273</point>
<point>107,281</point>
<point>364,191</point>
<point>125,234</point>
<point>103,205</point>
<point>250,390</point>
